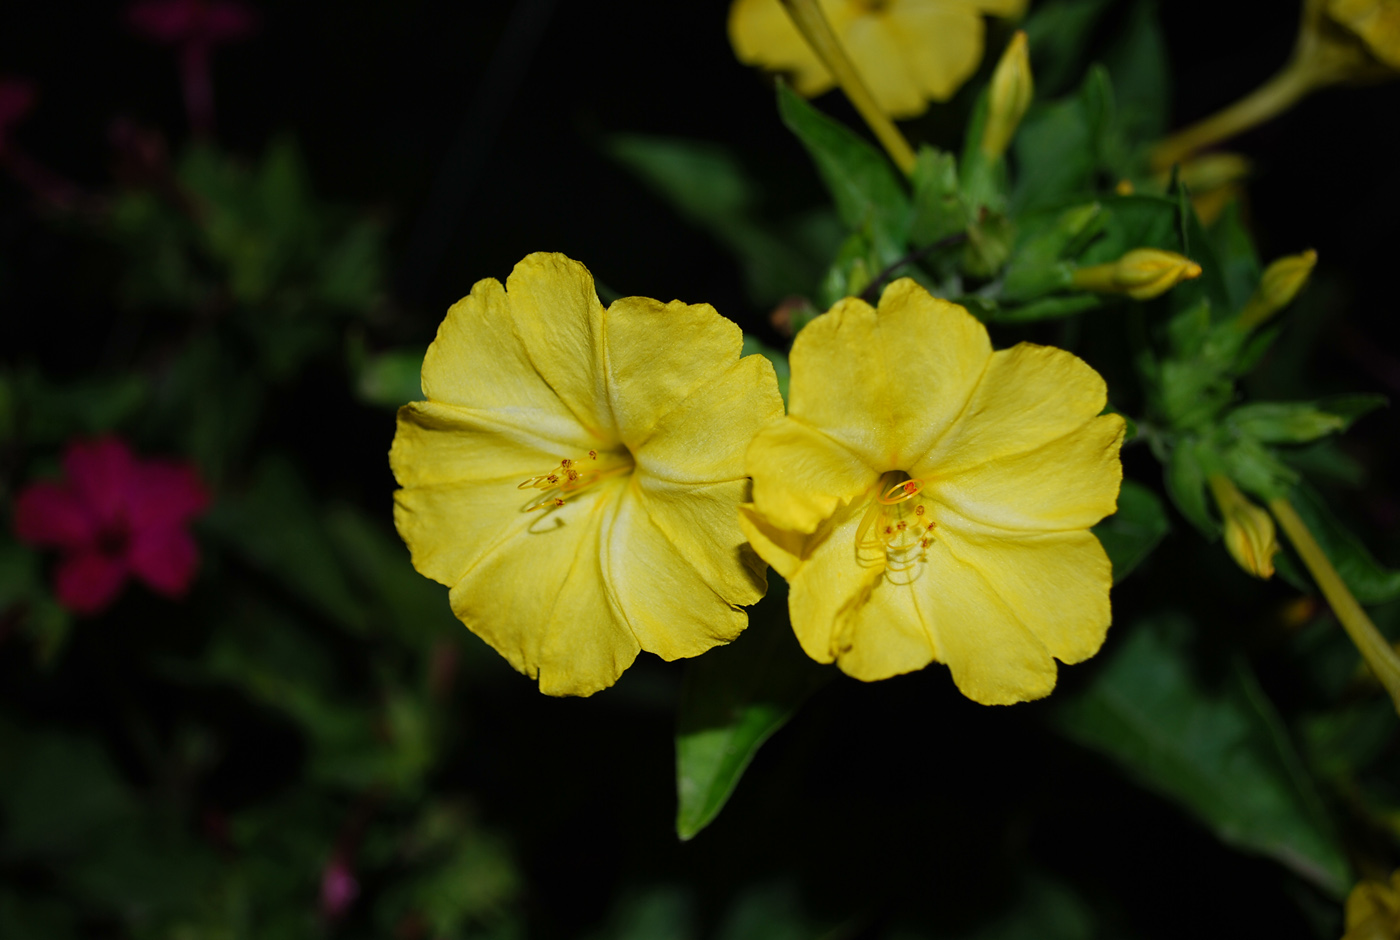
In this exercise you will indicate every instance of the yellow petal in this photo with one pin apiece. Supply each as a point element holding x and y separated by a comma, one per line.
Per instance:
<point>800,474</point>
<point>781,548</point>
<point>940,42</point>
<point>539,597</point>
<point>1055,583</point>
<point>559,320</point>
<point>461,474</point>
<point>655,571</point>
<point>674,373</point>
<point>1069,483</point>
<point>887,385</point>
<point>879,54</point>
<point>477,361</point>
<point>1029,396</point>
<point>763,34</point>
<point>704,437</point>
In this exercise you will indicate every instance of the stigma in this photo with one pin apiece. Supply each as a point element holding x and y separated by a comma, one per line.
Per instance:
<point>898,527</point>
<point>572,476</point>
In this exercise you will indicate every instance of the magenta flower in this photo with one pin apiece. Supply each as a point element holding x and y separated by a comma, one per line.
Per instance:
<point>339,888</point>
<point>196,27</point>
<point>113,516</point>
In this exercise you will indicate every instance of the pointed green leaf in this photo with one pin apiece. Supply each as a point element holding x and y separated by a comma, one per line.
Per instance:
<point>1131,533</point>
<point>1221,752</point>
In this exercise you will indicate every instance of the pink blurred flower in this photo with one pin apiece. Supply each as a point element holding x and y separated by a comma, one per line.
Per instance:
<point>195,26</point>
<point>113,516</point>
<point>16,99</point>
<point>338,887</point>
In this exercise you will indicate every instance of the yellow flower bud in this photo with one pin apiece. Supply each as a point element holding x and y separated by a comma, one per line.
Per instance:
<point>1376,23</point>
<point>1249,530</point>
<point>1142,274</point>
<point>1008,97</point>
<point>1281,282</point>
<point>1373,910</point>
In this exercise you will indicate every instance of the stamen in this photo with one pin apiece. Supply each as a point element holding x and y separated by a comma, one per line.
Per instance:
<point>566,481</point>
<point>902,491</point>
<point>898,535</point>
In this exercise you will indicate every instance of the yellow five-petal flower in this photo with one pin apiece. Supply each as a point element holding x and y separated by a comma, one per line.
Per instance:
<point>575,473</point>
<point>930,499</point>
<point>908,51</point>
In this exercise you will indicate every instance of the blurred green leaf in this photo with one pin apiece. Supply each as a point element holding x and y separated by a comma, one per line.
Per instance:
<point>26,917</point>
<point>1137,62</point>
<point>1058,145</point>
<point>275,527</point>
<point>1131,533</point>
<point>1221,752</point>
<point>1299,422</point>
<point>1239,262</point>
<point>391,378</point>
<point>1059,32</point>
<point>1369,580</point>
<point>734,699</point>
<point>862,182</point>
<point>709,188</point>
<point>1186,485</point>
<point>937,209</point>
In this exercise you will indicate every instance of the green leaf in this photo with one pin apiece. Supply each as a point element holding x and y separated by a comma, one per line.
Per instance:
<point>1276,422</point>
<point>1059,31</point>
<point>1239,261</point>
<point>274,526</point>
<point>1058,146</point>
<point>391,378</point>
<point>734,699</point>
<point>1131,533</point>
<point>1186,484</point>
<point>1221,752</point>
<point>1137,63</point>
<point>1368,579</point>
<point>938,210</point>
<point>708,187</point>
<point>862,183</point>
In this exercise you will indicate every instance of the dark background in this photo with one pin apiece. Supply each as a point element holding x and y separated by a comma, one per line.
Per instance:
<point>398,106</point>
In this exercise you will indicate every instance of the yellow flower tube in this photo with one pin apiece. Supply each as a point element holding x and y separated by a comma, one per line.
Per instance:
<point>930,499</point>
<point>575,473</point>
<point>1378,653</point>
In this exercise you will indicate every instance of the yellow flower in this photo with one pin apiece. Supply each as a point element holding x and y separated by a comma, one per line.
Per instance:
<point>1376,23</point>
<point>908,51</point>
<point>575,473</point>
<point>1373,910</point>
<point>930,499</point>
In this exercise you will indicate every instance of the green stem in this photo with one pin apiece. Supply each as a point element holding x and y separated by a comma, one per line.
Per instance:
<point>1272,98</point>
<point>1377,652</point>
<point>812,24</point>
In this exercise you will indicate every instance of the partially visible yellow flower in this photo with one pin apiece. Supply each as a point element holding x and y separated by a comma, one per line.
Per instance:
<point>909,52</point>
<point>1142,274</point>
<point>1373,910</point>
<point>1249,530</point>
<point>575,474</point>
<point>1375,22</point>
<point>930,499</point>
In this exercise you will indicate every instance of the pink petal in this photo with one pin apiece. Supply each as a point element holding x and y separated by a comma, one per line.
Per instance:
<point>49,513</point>
<point>100,473</point>
<point>166,559</point>
<point>87,582</point>
<point>165,20</point>
<point>164,493</point>
<point>228,20</point>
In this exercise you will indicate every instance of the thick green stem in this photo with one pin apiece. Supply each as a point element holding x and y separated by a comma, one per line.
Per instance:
<point>1375,649</point>
<point>812,24</point>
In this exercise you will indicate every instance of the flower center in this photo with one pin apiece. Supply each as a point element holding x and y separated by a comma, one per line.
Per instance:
<point>898,526</point>
<point>571,477</point>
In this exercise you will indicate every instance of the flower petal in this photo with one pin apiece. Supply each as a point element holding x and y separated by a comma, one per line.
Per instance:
<point>1056,583</point>
<point>669,604</point>
<point>100,473</point>
<point>165,558</point>
<point>940,44</point>
<point>701,524</point>
<point>661,356</point>
<point>461,475</point>
<point>800,474</point>
<point>1069,483</point>
<point>557,316</point>
<point>874,45</point>
<point>1029,396</point>
<point>539,598</point>
<point>87,582</point>
<point>763,34</point>
<point>477,361</point>
<point>703,438</point>
<point>49,513</point>
<point>781,548</point>
<point>887,384</point>
<point>164,493</point>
